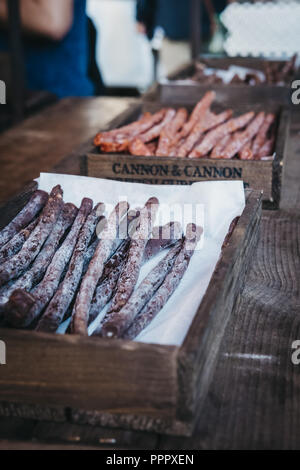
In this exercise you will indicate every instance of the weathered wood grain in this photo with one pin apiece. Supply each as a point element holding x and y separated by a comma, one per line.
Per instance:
<point>120,377</point>
<point>290,194</point>
<point>253,400</point>
<point>42,141</point>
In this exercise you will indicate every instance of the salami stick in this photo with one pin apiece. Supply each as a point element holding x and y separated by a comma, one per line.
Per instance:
<point>62,299</point>
<point>18,315</point>
<point>266,150</point>
<point>163,237</point>
<point>37,270</point>
<point>25,216</point>
<point>95,270</point>
<point>131,270</point>
<point>120,131</point>
<point>15,266</point>
<point>208,122</point>
<point>155,131</point>
<point>15,244</point>
<point>167,288</point>
<point>119,142</point>
<point>118,322</point>
<point>90,253</point>
<point>217,150</point>
<point>115,146</point>
<point>262,133</point>
<point>142,125</point>
<point>108,282</point>
<point>170,131</point>
<point>239,139</point>
<point>199,111</point>
<point>127,226</point>
<point>214,136</point>
<point>246,152</point>
<point>137,147</point>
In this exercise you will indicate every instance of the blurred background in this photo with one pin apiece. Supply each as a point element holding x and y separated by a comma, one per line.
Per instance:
<point>52,50</point>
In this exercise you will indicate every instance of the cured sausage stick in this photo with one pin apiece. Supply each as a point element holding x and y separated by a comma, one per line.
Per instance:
<point>107,285</point>
<point>199,111</point>
<point>37,270</point>
<point>120,143</point>
<point>136,127</point>
<point>208,122</point>
<point>15,266</point>
<point>131,270</point>
<point>217,150</point>
<point>118,322</point>
<point>239,139</point>
<point>266,150</point>
<point>59,304</point>
<point>23,308</point>
<point>169,132</point>
<point>15,244</point>
<point>155,131</point>
<point>215,135</point>
<point>137,147</point>
<point>167,288</point>
<point>127,225</point>
<point>261,137</point>
<point>120,131</point>
<point>89,282</point>
<point>25,216</point>
<point>246,152</point>
<point>125,230</point>
<point>163,238</point>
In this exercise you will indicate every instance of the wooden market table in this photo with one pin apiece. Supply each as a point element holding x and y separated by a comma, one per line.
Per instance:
<point>253,402</point>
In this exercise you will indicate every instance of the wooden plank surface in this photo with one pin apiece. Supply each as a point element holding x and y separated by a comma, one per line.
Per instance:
<point>41,141</point>
<point>290,194</point>
<point>253,402</point>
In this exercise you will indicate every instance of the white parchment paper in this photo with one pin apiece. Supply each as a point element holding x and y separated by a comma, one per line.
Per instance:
<point>213,205</point>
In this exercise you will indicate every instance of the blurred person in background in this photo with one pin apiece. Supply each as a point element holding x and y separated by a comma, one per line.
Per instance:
<point>58,43</point>
<point>174,17</point>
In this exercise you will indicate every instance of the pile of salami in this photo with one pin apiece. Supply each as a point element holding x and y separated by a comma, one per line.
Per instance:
<point>203,134</point>
<point>279,74</point>
<point>60,262</point>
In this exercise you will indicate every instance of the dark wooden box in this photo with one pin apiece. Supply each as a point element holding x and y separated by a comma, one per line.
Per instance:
<point>123,384</point>
<point>260,175</point>
<point>178,85</point>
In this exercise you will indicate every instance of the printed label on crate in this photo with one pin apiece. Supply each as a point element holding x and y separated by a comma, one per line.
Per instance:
<point>176,171</point>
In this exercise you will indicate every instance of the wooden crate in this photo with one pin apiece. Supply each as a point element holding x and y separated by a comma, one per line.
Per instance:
<point>178,86</point>
<point>260,175</point>
<point>124,384</point>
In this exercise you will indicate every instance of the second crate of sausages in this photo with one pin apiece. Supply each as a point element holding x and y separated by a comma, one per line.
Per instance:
<point>181,144</point>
